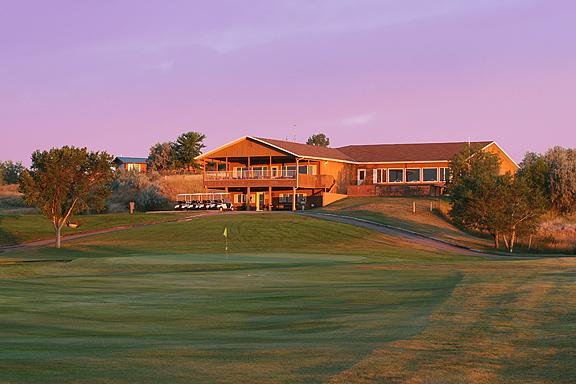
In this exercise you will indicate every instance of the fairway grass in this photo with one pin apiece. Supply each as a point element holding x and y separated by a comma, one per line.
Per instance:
<point>296,300</point>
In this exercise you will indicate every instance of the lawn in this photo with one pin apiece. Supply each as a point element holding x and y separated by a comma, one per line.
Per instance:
<point>297,300</point>
<point>20,228</point>
<point>398,212</point>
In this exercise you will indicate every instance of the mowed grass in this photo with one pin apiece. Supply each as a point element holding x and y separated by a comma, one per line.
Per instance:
<point>20,228</point>
<point>398,212</point>
<point>297,300</point>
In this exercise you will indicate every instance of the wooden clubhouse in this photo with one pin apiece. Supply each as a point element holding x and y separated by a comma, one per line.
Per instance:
<point>274,174</point>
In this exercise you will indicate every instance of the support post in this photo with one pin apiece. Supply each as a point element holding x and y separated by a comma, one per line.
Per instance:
<point>270,197</point>
<point>248,198</point>
<point>293,199</point>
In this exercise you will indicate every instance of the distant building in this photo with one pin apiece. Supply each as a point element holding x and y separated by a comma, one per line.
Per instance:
<point>274,174</point>
<point>131,163</point>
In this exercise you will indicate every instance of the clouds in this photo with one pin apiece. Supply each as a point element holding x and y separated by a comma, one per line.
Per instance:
<point>357,120</point>
<point>161,67</point>
<point>270,22</point>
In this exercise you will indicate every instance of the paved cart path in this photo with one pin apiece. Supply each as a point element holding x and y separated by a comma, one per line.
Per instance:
<point>414,237</point>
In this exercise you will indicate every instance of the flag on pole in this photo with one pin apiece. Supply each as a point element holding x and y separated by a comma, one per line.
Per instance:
<point>225,234</point>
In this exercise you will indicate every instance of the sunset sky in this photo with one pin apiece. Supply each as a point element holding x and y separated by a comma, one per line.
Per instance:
<point>122,75</point>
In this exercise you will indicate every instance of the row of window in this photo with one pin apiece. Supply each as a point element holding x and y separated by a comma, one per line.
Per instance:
<point>285,198</point>
<point>408,175</point>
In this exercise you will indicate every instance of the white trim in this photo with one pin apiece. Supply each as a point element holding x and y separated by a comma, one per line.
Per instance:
<point>358,181</point>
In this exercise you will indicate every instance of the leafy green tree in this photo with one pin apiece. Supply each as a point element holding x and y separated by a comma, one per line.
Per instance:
<point>522,207</point>
<point>161,157</point>
<point>186,147</point>
<point>562,179</point>
<point>10,172</point>
<point>64,181</point>
<point>503,205</point>
<point>535,172</point>
<point>473,190</point>
<point>319,140</point>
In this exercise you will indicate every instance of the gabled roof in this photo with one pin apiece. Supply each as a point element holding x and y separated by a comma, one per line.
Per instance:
<point>306,150</point>
<point>388,153</point>
<point>136,160</point>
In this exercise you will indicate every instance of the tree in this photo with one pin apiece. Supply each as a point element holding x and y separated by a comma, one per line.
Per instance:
<point>535,171</point>
<point>66,180</point>
<point>562,179</point>
<point>319,140</point>
<point>161,157</point>
<point>503,205</point>
<point>187,146</point>
<point>473,189</point>
<point>10,172</point>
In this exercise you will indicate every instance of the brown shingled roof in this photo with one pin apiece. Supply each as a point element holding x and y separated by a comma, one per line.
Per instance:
<point>377,153</point>
<point>306,150</point>
<point>406,152</point>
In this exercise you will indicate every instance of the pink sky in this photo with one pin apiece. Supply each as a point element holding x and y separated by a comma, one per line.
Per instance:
<point>123,75</point>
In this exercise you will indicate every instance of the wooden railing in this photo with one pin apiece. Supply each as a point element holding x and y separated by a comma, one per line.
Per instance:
<point>288,178</point>
<point>250,174</point>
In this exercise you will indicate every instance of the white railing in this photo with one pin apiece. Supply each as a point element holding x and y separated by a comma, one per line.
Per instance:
<point>250,174</point>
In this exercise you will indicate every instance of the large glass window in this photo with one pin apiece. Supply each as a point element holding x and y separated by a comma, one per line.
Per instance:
<point>289,171</point>
<point>259,172</point>
<point>396,175</point>
<point>430,174</point>
<point>413,175</point>
<point>307,169</point>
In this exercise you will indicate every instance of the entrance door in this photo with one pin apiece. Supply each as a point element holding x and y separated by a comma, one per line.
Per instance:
<point>361,176</point>
<point>260,200</point>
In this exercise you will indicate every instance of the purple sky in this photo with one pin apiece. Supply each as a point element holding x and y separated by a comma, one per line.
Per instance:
<point>123,75</point>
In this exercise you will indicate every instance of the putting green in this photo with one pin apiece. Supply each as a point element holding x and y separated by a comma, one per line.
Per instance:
<point>201,318</point>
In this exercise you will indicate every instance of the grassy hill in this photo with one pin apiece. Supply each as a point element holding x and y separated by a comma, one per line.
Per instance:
<point>297,300</point>
<point>398,212</point>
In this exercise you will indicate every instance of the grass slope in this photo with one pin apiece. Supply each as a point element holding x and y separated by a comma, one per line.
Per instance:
<point>18,228</point>
<point>298,300</point>
<point>398,212</point>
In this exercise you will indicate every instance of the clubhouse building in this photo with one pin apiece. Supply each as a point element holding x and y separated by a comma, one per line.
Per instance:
<point>262,174</point>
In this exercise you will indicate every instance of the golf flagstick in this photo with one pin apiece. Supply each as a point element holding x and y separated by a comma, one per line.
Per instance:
<point>225,234</point>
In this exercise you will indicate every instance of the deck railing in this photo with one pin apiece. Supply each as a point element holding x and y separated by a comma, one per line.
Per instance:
<point>251,174</point>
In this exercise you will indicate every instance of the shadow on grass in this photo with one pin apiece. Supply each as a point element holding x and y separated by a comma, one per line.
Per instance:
<point>6,237</point>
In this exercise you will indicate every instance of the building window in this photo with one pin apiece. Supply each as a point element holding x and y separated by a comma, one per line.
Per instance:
<point>430,174</point>
<point>259,172</point>
<point>289,171</point>
<point>396,175</point>
<point>134,167</point>
<point>286,198</point>
<point>240,199</point>
<point>379,176</point>
<point>307,169</point>
<point>413,175</point>
<point>444,174</point>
